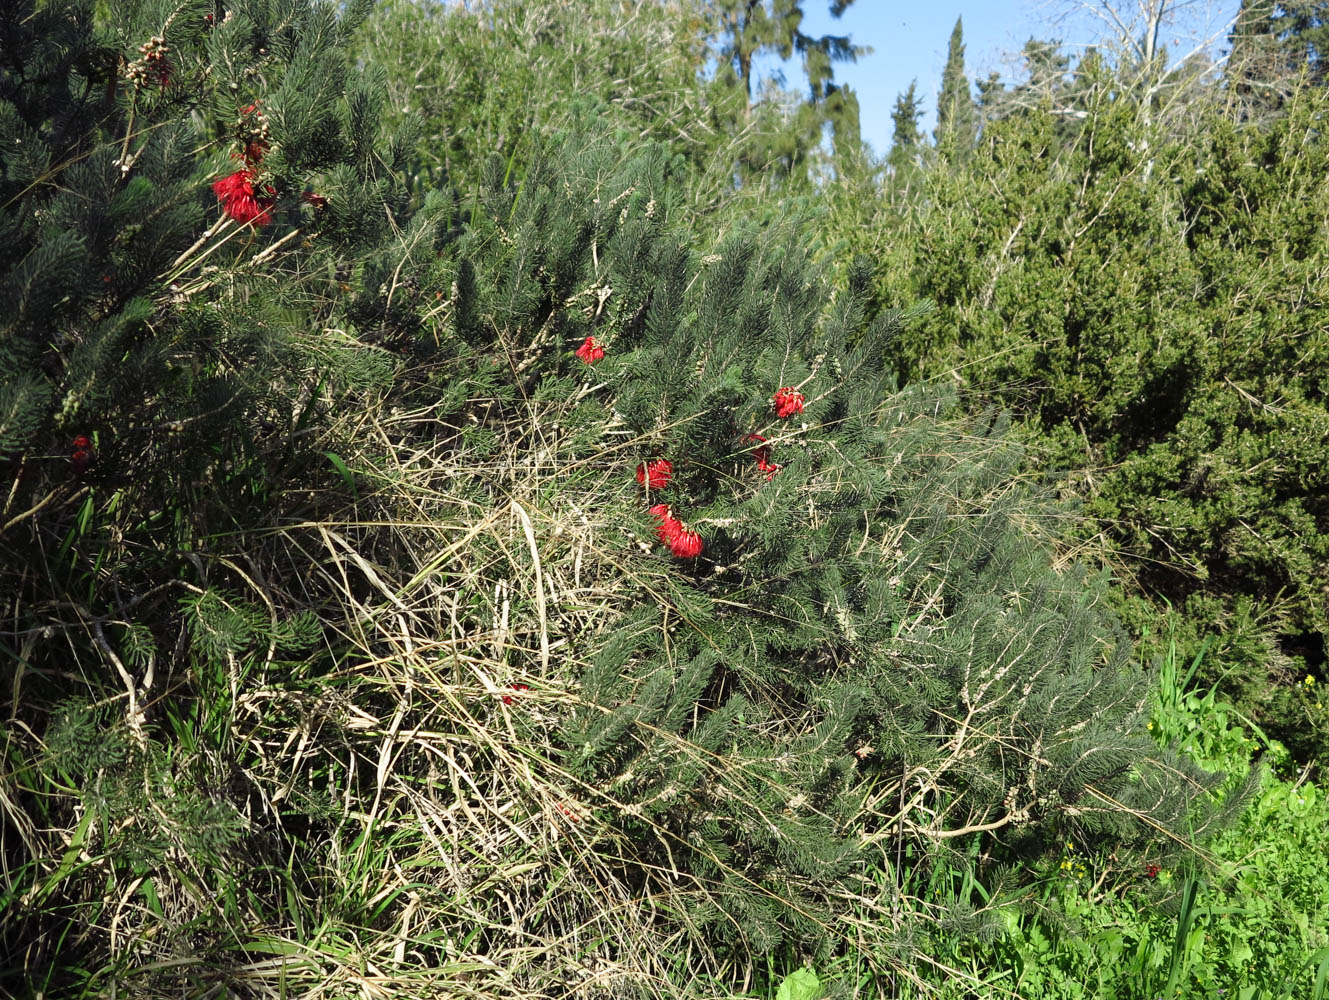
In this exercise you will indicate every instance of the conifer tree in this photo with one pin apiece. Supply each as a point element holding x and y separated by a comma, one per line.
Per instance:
<point>957,121</point>
<point>1305,25</point>
<point>1269,45</point>
<point>743,30</point>
<point>906,136</point>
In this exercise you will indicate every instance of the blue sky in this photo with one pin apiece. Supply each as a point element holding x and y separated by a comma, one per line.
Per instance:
<point>909,41</point>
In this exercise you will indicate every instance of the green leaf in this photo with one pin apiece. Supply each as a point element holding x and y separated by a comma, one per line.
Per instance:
<point>344,472</point>
<point>802,984</point>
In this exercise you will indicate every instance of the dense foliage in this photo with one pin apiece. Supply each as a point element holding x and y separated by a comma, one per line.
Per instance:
<point>1175,376</point>
<point>462,541</point>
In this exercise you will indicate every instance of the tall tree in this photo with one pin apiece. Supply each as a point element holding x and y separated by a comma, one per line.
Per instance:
<point>1271,45</point>
<point>1254,63</point>
<point>780,145</point>
<point>745,29</point>
<point>957,120</point>
<point>1304,27</point>
<point>842,112</point>
<point>906,137</point>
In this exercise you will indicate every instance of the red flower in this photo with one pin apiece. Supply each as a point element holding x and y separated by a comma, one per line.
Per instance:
<point>686,544</point>
<point>669,526</point>
<point>656,475</point>
<point>568,813</point>
<point>1151,871</point>
<point>590,351</point>
<point>81,442</point>
<point>788,401</point>
<point>507,698</point>
<point>762,453</point>
<point>236,193</point>
<point>80,459</point>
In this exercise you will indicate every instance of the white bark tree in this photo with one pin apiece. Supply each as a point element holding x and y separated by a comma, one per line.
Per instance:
<point>1167,50</point>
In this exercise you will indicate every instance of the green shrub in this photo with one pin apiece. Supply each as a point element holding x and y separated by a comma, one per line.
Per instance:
<point>1242,917</point>
<point>166,346</point>
<point>1153,310</point>
<point>352,656</point>
<point>872,651</point>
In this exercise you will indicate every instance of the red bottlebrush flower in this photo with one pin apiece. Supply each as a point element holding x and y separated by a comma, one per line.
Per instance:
<point>669,526</point>
<point>317,200</point>
<point>1151,871</point>
<point>590,351</point>
<point>236,185</point>
<point>507,698</point>
<point>81,442</point>
<point>788,401</point>
<point>236,193</point>
<point>686,544</point>
<point>762,453</point>
<point>656,475</point>
<point>80,459</point>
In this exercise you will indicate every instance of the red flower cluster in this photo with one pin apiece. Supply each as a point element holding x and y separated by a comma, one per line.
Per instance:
<point>82,453</point>
<point>236,193</point>
<point>1151,871</point>
<point>788,401</point>
<point>669,526</point>
<point>590,351</point>
<point>656,475</point>
<point>686,544</point>
<point>507,698</point>
<point>682,542</point>
<point>762,453</point>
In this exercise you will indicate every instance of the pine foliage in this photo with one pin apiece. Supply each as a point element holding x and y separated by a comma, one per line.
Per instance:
<point>164,347</point>
<point>873,647</point>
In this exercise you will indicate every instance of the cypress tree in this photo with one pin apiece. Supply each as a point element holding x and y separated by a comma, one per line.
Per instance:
<point>957,120</point>
<point>906,136</point>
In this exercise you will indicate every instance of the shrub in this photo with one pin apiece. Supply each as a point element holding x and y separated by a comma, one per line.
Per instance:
<point>872,652</point>
<point>382,665</point>
<point>1151,309</point>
